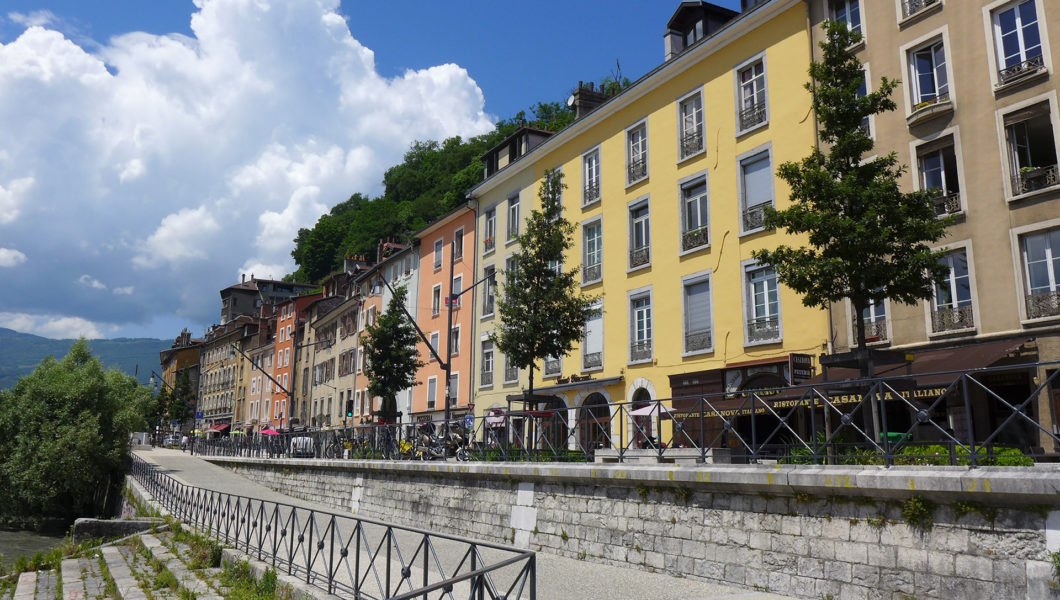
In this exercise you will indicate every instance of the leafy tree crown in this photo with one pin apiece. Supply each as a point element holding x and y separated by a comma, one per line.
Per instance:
<point>391,354</point>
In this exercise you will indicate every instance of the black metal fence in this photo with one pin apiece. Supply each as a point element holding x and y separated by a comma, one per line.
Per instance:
<point>992,416</point>
<point>347,555</point>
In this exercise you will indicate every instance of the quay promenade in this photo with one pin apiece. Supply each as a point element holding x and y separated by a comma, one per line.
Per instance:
<point>558,578</point>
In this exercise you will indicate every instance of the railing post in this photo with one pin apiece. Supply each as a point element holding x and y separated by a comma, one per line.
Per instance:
<point>968,420</point>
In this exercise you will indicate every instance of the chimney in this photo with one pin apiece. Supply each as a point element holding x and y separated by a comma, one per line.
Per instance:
<point>585,99</point>
<point>244,278</point>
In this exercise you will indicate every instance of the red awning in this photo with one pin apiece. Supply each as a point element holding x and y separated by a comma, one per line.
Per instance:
<point>220,427</point>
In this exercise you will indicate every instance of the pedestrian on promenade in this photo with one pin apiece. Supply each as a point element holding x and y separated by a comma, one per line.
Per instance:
<point>184,442</point>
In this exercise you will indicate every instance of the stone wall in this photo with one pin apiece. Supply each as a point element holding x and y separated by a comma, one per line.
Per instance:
<point>809,532</point>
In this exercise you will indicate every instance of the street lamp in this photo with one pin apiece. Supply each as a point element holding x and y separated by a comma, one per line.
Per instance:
<point>450,301</point>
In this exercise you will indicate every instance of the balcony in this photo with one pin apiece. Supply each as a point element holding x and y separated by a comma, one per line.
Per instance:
<point>553,367</point>
<point>1031,66</point>
<point>947,204</point>
<point>637,169</point>
<point>875,330</point>
<point>488,244</point>
<point>487,378</point>
<point>511,374</point>
<point>590,193</point>
<point>929,109</point>
<point>640,350</point>
<point>691,143</point>
<point>952,318</point>
<point>754,114</point>
<point>1031,179</point>
<point>754,217</point>
<point>639,256</point>
<point>592,360</point>
<point>912,7</point>
<point>592,273</point>
<point>694,238</point>
<point>763,329</point>
<point>1043,304</point>
<point>698,340</point>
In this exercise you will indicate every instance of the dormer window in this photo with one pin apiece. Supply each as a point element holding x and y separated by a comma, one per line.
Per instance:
<point>694,33</point>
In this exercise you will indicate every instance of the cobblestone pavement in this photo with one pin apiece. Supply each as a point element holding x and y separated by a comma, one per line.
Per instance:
<point>558,578</point>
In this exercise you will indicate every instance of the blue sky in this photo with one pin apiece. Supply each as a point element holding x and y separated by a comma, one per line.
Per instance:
<point>151,158</point>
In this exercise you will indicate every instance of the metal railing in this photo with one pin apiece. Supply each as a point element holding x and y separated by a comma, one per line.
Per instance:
<point>698,340</point>
<point>691,143</point>
<point>553,366</point>
<point>763,329</point>
<point>754,217</point>
<point>752,115</point>
<point>639,256</point>
<point>640,350</point>
<point>1043,304</point>
<point>591,193</point>
<point>875,329</point>
<point>637,169</point>
<point>1017,71</point>
<point>347,555</point>
<point>592,273</point>
<point>944,418</point>
<point>592,360</point>
<point>1033,179</point>
<point>487,378</point>
<point>952,318</point>
<point>947,203</point>
<point>695,238</point>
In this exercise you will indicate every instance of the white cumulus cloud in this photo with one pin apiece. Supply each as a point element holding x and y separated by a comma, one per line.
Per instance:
<point>51,326</point>
<point>124,291</point>
<point>11,258</point>
<point>178,160</point>
<point>89,281</point>
<point>35,18</point>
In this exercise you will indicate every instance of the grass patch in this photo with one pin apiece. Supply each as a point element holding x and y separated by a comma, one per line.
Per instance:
<point>203,552</point>
<point>243,586</point>
<point>919,513</point>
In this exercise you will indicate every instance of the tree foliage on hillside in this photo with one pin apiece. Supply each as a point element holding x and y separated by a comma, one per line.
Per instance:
<point>432,179</point>
<point>66,433</point>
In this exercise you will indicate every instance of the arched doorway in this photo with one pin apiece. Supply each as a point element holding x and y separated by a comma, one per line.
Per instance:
<point>594,423</point>
<point>550,415</point>
<point>642,430</point>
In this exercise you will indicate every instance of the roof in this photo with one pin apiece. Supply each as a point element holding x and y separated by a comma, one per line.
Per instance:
<point>445,219</point>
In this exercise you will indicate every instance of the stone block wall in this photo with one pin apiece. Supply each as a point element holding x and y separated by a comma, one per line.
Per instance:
<point>827,537</point>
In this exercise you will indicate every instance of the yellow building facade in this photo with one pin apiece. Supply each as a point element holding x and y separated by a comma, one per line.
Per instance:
<point>666,185</point>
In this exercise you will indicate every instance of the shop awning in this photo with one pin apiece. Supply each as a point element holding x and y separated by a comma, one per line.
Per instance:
<point>220,427</point>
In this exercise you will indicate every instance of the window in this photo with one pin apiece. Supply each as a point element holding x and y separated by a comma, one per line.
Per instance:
<point>593,343</point>
<point>434,342</point>
<point>698,330</point>
<point>490,233</point>
<point>1041,264</point>
<point>874,316</point>
<point>952,304</point>
<point>432,392</point>
<point>848,12</point>
<point>694,33</point>
<point>636,153</point>
<point>640,348</point>
<point>938,171</point>
<point>489,273</point>
<point>513,217</point>
<point>756,190</point>
<point>439,245</point>
<point>763,305</point>
<point>690,124</point>
<point>511,266</point>
<point>357,403</point>
<point>1018,43</point>
<point>1031,149</point>
<point>694,214</point>
<point>454,341</point>
<point>863,90</point>
<point>639,235</point>
<point>511,372</point>
<point>453,393</point>
<point>455,290</point>
<point>458,244</point>
<point>436,300</point>
<point>592,263</point>
<point>930,84</point>
<point>752,95</point>
<point>591,177</point>
<point>487,363</point>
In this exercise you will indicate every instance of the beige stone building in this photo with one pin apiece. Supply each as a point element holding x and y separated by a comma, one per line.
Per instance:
<point>977,121</point>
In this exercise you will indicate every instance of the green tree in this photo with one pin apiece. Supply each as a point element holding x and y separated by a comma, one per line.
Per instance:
<point>541,308</point>
<point>867,239</point>
<point>66,434</point>
<point>181,406</point>
<point>391,354</point>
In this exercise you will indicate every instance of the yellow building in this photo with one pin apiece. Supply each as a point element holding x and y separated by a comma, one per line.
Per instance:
<point>666,183</point>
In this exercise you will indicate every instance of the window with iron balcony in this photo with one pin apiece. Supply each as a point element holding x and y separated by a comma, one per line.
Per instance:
<point>1041,272</point>
<point>636,154</point>
<point>1031,149</point>
<point>752,93</point>
<point>1017,41</point>
<point>951,308</point>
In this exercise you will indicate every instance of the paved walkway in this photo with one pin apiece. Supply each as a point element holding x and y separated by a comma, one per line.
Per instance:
<point>558,577</point>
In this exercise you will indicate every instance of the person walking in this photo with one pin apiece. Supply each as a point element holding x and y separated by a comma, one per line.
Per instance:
<point>184,442</point>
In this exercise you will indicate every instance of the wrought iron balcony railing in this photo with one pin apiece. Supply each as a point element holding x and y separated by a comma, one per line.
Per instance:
<point>592,273</point>
<point>639,256</point>
<point>911,7</point>
<point>952,318</point>
<point>592,360</point>
<point>691,143</point>
<point>591,193</point>
<point>763,329</point>
<point>637,169</point>
<point>698,340</point>
<point>754,217</point>
<point>1043,304</point>
<point>553,366</point>
<point>875,330</point>
<point>488,244</point>
<point>640,350</point>
<point>939,99</point>
<point>694,238</point>
<point>1030,66</point>
<point>753,115</point>
<point>947,203</point>
<point>487,378</point>
<point>1033,179</point>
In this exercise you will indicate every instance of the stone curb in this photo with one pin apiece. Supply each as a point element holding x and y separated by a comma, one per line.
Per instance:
<point>26,587</point>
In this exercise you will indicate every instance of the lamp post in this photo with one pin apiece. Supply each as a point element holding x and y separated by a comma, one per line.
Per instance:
<point>450,300</point>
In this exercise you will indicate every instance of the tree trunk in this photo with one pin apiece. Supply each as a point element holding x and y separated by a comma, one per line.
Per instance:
<point>533,406</point>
